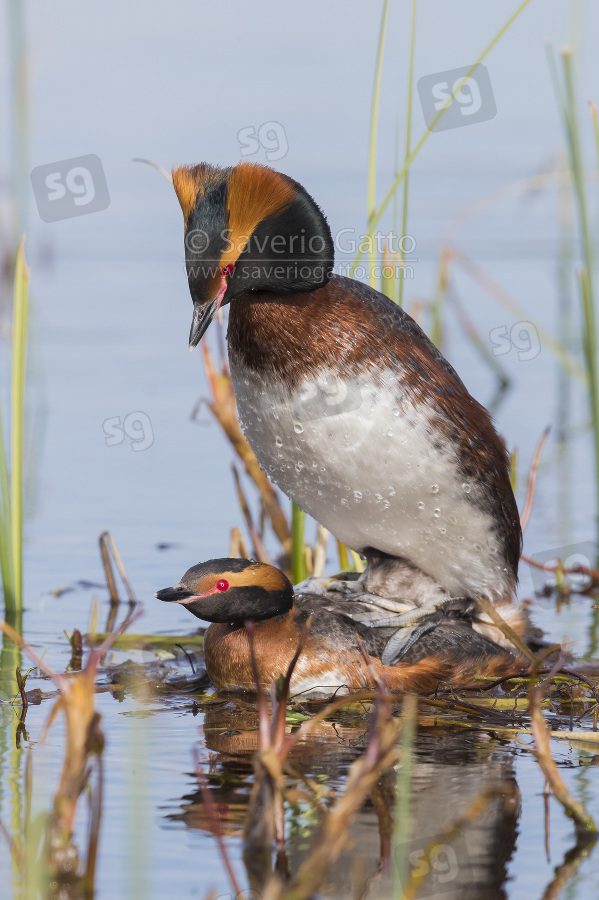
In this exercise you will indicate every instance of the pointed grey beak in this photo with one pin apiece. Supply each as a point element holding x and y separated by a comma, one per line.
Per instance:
<point>172,594</point>
<point>203,314</point>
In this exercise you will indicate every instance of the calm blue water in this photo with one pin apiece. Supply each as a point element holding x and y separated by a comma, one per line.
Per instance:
<point>112,313</point>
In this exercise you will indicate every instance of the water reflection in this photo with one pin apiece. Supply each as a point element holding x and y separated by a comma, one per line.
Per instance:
<point>450,773</point>
<point>10,730</point>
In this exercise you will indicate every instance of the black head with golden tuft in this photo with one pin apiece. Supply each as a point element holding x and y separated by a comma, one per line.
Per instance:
<point>232,591</point>
<point>248,228</point>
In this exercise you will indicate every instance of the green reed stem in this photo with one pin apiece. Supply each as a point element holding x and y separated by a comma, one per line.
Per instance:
<point>590,352</point>
<point>18,392</point>
<point>359,564</point>
<point>17,43</point>
<point>593,108</point>
<point>373,137</point>
<point>298,554</point>
<point>395,171</point>
<point>5,527</point>
<point>11,487</point>
<point>404,794</point>
<point>374,219</point>
<point>344,563</point>
<point>567,104</point>
<point>404,212</point>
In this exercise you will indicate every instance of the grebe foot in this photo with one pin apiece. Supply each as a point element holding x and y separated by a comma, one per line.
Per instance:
<point>312,585</point>
<point>394,606</point>
<point>405,638</point>
<point>411,626</point>
<point>355,590</point>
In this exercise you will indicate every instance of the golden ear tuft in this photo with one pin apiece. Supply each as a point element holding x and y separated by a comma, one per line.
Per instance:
<point>258,574</point>
<point>191,181</point>
<point>255,192</point>
<point>186,185</point>
<point>266,576</point>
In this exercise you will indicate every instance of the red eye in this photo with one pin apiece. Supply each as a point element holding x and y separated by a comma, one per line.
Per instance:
<point>228,269</point>
<point>222,585</point>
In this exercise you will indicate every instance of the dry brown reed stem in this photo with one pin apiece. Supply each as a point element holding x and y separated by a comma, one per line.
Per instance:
<point>110,579</point>
<point>265,819</point>
<point>121,568</point>
<point>522,186</point>
<point>263,729</point>
<point>567,870</point>
<point>95,818</point>
<point>223,407</point>
<point>15,850</point>
<point>279,693</point>
<point>215,823</point>
<point>491,717</point>
<point>532,479</point>
<point>583,822</point>
<point>319,556</point>
<point>475,338</point>
<point>107,546</point>
<point>507,630</point>
<point>452,254</point>
<point>84,739</point>
<point>21,686</point>
<point>76,642</point>
<point>577,570</point>
<point>570,673</point>
<point>333,837</point>
<point>383,804</point>
<point>237,547</point>
<point>258,548</point>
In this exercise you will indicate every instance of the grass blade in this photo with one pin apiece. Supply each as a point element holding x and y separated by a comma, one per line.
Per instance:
<point>404,795</point>
<point>373,136</point>
<point>299,570</point>
<point>567,105</point>
<point>5,528</point>
<point>404,213</point>
<point>18,390</point>
<point>373,221</point>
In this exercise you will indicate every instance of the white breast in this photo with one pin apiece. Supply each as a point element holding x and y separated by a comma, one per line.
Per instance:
<point>363,461</point>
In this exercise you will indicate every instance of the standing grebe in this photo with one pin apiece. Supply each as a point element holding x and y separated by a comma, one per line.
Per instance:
<point>348,406</point>
<point>230,592</point>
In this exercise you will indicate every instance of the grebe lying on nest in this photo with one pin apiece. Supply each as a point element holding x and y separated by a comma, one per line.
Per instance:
<point>231,592</point>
